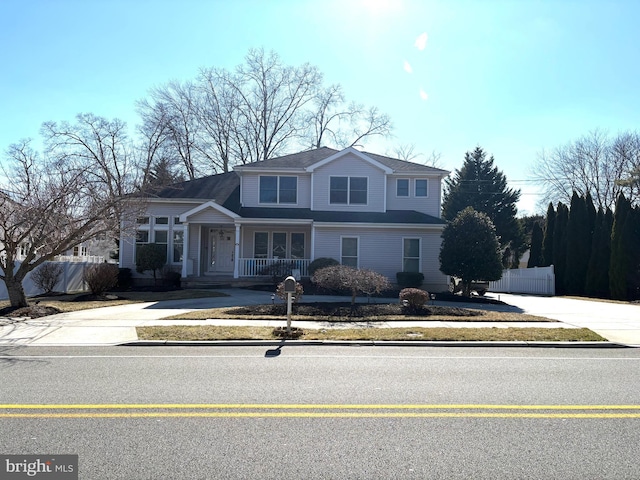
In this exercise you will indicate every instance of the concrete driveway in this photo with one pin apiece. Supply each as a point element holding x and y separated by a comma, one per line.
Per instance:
<point>617,322</point>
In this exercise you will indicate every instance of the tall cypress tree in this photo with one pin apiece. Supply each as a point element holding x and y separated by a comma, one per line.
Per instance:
<point>560,246</point>
<point>547,241</point>
<point>535,253</point>
<point>620,253</point>
<point>480,185</point>
<point>597,284</point>
<point>579,239</point>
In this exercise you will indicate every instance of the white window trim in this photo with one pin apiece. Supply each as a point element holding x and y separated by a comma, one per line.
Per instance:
<point>357,237</point>
<point>278,202</point>
<point>403,257</point>
<point>349,177</point>
<point>408,188</point>
<point>171,246</point>
<point>415,190</point>
<point>272,243</point>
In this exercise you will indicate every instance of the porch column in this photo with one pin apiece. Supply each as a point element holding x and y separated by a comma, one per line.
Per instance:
<point>185,249</point>
<point>236,255</point>
<point>313,242</point>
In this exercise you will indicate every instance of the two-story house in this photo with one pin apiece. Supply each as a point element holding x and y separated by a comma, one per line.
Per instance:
<point>362,209</point>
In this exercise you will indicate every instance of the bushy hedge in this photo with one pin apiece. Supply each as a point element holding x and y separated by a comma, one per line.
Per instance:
<point>101,277</point>
<point>410,279</point>
<point>321,262</point>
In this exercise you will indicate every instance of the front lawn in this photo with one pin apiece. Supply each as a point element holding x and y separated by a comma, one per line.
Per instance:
<point>209,332</point>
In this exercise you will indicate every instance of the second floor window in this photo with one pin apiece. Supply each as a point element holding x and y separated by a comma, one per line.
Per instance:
<point>278,189</point>
<point>348,190</point>
<point>402,187</point>
<point>422,188</point>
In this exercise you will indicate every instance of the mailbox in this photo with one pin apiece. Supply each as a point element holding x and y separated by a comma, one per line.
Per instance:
<point>290,284</point>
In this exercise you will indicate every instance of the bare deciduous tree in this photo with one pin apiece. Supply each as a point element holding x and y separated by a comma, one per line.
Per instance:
<point>71,194</point>
<point>592,164</point>
<point>341,124</point>
<point>407,152</point>
<point>261,109</point>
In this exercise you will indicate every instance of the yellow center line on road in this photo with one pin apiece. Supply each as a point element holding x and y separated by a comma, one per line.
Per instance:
<point>319,415</point>
<point>233,410</point>
<point>308,406</point>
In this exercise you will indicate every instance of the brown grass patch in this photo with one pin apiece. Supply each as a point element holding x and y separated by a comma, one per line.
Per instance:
<point>207,332</point>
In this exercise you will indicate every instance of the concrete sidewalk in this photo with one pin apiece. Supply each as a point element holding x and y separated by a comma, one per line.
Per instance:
<point>117,325</point>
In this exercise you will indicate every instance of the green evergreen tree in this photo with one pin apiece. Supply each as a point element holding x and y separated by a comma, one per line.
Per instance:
<point>560,246</point>
<point>620,253</point>
<point>480,185</point>
<point>597,284</point>
<point>547,241</point>
<point>579,239</point>
<point>631,235</point>
<point>535,253</point>
<point>470,249</point>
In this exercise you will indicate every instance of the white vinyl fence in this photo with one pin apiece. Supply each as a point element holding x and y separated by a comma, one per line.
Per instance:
<point>70,281</point>
<point>536,281</point>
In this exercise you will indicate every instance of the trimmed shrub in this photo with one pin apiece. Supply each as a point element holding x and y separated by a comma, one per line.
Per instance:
<point>321,262</point>
<point>46,276</point>
<point>282,295</point>
<point>410,279</point>
<point>101,277</point>
<point>171,277</point>
<point>278,270</point>
<point>414,297</point>
<point>125,278</point>
<point>151,256</point>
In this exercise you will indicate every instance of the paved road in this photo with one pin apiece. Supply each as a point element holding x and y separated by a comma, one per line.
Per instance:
<point>326,412</point>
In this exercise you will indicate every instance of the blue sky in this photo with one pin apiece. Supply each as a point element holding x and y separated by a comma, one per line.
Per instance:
<point>514,77</point>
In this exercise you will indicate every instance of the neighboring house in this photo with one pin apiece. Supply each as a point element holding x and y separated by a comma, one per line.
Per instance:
<point>362,209</point>
<point>92,251</point>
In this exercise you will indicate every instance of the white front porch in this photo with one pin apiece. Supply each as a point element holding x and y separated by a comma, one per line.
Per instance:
<point>216,250</point>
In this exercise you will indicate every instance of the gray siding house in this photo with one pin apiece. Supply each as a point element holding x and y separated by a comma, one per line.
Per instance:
<point>362,209</point>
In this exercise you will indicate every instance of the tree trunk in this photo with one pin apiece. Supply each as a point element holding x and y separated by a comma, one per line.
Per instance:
<point>466,288</point>
<point>17,298</point>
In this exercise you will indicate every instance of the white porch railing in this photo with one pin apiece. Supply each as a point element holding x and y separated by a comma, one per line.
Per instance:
<point>535,281</point>
<point>256,267</point>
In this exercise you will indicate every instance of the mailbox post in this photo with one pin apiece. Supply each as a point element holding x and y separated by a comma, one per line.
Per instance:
<point>289,289</point>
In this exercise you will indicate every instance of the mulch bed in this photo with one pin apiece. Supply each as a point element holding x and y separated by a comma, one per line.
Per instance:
<point>345,309</point>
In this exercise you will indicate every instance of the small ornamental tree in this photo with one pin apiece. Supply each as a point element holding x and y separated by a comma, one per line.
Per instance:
<point>343,277</point>
<point>151,256</point>
<point>470,249</point>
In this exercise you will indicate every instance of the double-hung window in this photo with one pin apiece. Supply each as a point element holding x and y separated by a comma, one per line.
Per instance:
<point>402,187</point>
<point>411,255</point>
<point>349,251</point>
<point>422,187</point>
<point>348,190</point>
<point>274,189</point>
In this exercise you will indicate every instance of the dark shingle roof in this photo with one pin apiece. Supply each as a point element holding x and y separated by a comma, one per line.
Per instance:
<point>390,216</point>
<point>224,188</point>
<point>214,187</point>
<point>311,157</point>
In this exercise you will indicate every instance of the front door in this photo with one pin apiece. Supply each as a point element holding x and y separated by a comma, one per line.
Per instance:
<point>221,251</point>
